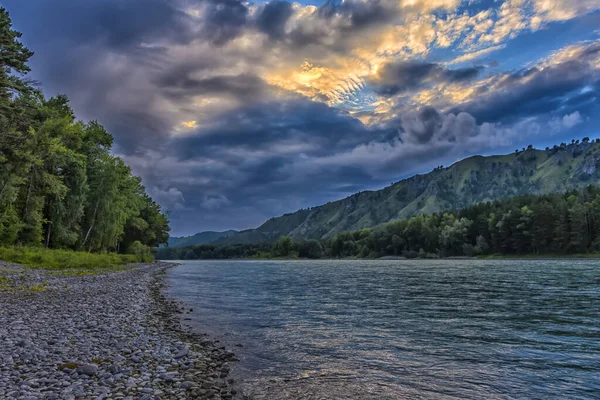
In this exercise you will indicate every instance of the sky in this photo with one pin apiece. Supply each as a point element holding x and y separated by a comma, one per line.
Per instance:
<point>233,112</point>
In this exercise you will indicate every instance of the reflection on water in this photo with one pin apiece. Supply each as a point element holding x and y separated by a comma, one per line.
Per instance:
<point>460,329</point>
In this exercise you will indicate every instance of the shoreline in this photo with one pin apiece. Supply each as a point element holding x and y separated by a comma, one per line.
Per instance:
<point>109,335</point>
<point>590,256</point>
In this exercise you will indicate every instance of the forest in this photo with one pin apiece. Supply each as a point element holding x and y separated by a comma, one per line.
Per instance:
<point>60,186</point>
<point>553,224</point>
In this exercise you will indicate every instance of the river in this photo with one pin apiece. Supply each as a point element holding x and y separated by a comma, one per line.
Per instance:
<point>439,329</point>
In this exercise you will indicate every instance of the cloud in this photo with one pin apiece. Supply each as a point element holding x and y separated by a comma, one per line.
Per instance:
<point>397,77</point>
<point>429,126</point>
<point>476,54</point>
<point>420,126</point>
<point>282,125</point>
<point>272,18</point>
<point>565,122</point>
<point>222,20</point>
<point>233,112</point>
<point>561,10</point>
<point>570,120</point>
<point>111,23</point>
<point>170,198</point>
<point>543,88</point>
<point>215,202</point>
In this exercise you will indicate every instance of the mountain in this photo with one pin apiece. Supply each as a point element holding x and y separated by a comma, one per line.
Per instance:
<point>199,238</point>
<point>472,180</point>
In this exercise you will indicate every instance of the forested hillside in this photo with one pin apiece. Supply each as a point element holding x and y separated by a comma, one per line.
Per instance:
<point>554,224</point>
<point>199,238</point>
<point>60,187</point>
<point>470,181</point>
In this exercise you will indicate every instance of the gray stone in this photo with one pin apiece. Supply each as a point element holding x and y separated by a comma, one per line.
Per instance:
<point>186,385</point>
<point>88,369</point>
<point>184,352</point>
<point>119,316</point>
<point>167,377</point>
<point>114,369</point>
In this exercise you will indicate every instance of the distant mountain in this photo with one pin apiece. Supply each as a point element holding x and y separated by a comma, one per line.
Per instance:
<point>472,180</point>
<point>199,238</point>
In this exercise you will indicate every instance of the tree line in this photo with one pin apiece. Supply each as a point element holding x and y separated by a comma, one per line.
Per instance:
<point>551,224</point>
<point>60,187</point>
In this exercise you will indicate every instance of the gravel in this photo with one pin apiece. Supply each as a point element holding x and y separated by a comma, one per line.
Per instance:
<point>106,336</point>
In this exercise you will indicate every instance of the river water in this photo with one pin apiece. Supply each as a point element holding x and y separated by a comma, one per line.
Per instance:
<point>442,329</point>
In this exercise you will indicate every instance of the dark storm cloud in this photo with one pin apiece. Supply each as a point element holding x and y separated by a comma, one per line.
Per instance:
<point>93,51</point>
<point>242,87</point>
<point>360,14</point>
<point>403,76</point>
<point>115,23</point>
<point>224,20</point>
<point>286,149</point>
<point>143,68</point>
<point>428,126</point>
<point>424,124</point>
<point>537,90</point>
<point>272,17</point>
<point>460,74</point>
<point>584,99</point>
<point>294,123</point>
<point>336,24</point>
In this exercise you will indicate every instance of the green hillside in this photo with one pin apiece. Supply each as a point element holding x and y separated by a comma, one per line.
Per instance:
<point>199,238</point>
<point>472,180</point>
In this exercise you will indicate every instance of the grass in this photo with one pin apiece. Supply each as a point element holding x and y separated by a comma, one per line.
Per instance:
<point>9,285</point>
<point>66,261</point>
<point>68,365</point>
<point>39,288</point>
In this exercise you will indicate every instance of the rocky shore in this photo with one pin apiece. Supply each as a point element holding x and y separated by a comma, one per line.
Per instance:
<point>103,336</point>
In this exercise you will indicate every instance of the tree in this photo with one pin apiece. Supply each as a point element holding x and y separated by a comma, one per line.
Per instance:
<point>14,57</point>
<point>580,237</point>
<point>284,246</point>
<point>482,245</point>
<point>312,249</point>
<point>454,236</point>
<point>399,244</point>
<point>59,185</point>
<point>544,221</point>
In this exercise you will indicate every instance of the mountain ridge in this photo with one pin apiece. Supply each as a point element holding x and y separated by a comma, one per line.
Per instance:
<point>469,181</point>
<point>204,237</point>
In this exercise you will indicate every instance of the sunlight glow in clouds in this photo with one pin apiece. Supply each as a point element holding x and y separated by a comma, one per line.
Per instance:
<point>189,124</point>
<point>250,110</point>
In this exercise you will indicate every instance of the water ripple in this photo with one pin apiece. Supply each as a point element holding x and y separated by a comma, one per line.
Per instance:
<point>457,329</point>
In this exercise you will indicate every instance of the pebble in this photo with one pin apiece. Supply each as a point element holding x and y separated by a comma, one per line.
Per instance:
<point>88,369</point>
<point>186,385</point>
<point>106,336</point>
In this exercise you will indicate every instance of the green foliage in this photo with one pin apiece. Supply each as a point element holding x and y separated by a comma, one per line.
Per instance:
<point>68,365</point>
<point>310,249</point>
<point>283,247</point>
<point>13,58</point>
<point>567,223</point>
<point>141,252</point>
<point>199,238</point>
<point>59,185</point>
<point>38,257</point>
<point>214,252</point>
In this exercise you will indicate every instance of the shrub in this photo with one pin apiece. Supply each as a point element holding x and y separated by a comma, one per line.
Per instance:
<point>142,252</point>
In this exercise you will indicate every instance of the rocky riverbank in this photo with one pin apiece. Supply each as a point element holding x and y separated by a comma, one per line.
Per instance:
<point>104,336</point>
